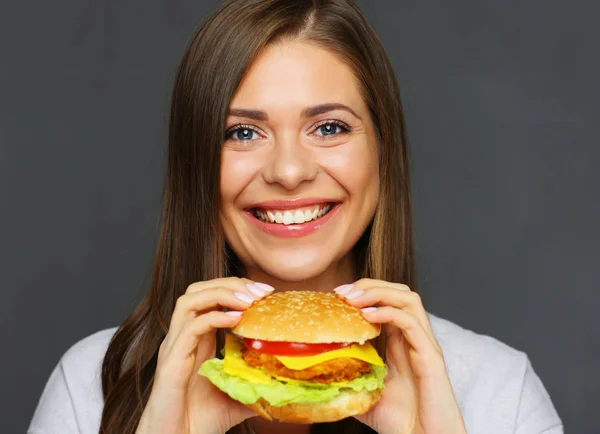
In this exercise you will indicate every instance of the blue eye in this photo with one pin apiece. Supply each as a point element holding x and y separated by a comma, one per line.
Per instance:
<point>242,133</point>
<point>331,129</point>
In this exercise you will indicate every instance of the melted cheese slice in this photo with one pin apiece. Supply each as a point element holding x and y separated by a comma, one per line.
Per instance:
<point>236,366</point>
<point>364,352</point>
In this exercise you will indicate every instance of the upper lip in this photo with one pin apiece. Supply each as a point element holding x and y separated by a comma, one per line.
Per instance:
<point>291,204</point>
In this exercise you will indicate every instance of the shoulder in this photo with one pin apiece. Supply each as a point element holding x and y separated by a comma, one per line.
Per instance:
<point>72,399</point>
<point>469,347</point>
<point>476,362</point>
<point>92,346</point>
<point>89,352</point>
<point>494,384</point>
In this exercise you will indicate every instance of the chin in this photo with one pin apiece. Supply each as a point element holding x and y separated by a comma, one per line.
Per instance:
<point>295,265</point>
<point>293,272</point>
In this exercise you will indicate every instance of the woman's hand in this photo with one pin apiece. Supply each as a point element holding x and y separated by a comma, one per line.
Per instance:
<point>181,401</point>
<point>418,396</point>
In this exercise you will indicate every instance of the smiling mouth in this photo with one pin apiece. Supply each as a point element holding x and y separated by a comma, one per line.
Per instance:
<point>292,216</point>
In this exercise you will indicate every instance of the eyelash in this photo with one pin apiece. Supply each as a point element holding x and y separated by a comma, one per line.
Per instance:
<point>345,128</point>
<point>235,128</point>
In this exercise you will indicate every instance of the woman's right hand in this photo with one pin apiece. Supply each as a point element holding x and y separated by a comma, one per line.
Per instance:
<point>181,401</point>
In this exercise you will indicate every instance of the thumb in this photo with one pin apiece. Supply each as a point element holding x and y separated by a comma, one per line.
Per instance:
<point>361,418</point>
<point>366,418</point>
<point>238,412</point>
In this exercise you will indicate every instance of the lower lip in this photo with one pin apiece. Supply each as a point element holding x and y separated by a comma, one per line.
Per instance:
<point>293,230</point>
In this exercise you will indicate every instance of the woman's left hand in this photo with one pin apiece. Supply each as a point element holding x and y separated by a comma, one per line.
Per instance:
<point>418,396</point>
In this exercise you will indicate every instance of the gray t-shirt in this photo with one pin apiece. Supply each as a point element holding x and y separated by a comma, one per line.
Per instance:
<point>495,386</point>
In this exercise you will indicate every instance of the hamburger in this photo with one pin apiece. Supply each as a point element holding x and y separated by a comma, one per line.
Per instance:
<point>300,357</point>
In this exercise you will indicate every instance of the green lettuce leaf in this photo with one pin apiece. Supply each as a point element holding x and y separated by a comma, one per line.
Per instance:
<point>278,393</point>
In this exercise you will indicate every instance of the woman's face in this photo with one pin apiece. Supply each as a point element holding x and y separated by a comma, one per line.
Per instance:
<point>299,171</point>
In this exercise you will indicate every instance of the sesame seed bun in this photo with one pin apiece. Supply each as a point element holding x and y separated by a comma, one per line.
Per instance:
<point>348,403</point>
<point>307,317</point>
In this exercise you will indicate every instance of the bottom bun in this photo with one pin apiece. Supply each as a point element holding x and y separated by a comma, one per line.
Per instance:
<point>346,404</point>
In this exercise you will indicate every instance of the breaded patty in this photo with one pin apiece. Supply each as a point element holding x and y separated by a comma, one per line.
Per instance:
<point>342,369</point>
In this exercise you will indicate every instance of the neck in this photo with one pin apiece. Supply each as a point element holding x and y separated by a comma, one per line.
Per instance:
<point>337,274</point>
<point>262,426</point>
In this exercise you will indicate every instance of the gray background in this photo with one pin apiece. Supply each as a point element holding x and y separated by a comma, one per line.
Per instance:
<point>501,99</point>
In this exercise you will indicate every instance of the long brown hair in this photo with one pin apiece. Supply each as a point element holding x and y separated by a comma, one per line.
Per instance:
<point>192,246</point>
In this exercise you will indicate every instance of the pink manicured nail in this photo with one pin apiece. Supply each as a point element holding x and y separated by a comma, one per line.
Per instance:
<point>343,289</point>
<point>264,286</point>
<point>355,294</point>
<point>254,289</point>
<point>233,313</point>
<point>368,309</point>
<point>244,297</point>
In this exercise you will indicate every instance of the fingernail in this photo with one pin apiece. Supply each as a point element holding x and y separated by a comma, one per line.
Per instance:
<point>244,297</point>
<point>343,289</point>
<point>233,313</point>
<point>368,309</point>
<point>264,286</point>
<point>355,294</point>
<point>254,289</point>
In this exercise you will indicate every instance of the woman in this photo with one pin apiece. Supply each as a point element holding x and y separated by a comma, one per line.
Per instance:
<point>287,169</point>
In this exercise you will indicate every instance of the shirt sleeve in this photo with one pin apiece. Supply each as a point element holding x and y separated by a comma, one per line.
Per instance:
<point>55,413</point>
<point>536,414</point>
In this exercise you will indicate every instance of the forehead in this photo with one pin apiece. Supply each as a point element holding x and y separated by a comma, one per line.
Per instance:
<point>297,73</point>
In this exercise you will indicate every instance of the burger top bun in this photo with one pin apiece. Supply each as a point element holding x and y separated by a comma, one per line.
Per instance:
<point>305,316</point>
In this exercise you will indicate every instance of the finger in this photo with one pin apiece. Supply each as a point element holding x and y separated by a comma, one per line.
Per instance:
<point>363,418</point>
<point>239,412</point>
<point>411,327</point>
<point>366,284</point>
<point>363,284</point>
<point>387,296</point>
<point>409,301</point>
<point>194,303</point>
<point>239,284</point>
<point>372,283</point>
<point>185,344</point>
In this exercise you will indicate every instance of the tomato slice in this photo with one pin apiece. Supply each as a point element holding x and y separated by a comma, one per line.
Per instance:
<point>291,348</point>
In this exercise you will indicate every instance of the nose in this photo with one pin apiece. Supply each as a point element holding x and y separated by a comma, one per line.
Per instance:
<point>290,164</point>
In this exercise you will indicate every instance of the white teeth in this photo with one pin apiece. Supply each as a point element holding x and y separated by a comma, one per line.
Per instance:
<point>288,218</point>
<point>291,217</point>
<point>298,217</point>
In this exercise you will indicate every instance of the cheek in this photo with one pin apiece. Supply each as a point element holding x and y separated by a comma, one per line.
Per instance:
<point>237,170</point>
<point>355,166</point>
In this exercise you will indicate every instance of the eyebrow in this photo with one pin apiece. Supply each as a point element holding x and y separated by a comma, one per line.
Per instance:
<point>248,113</point>
<point>308,112</point>
<point>328,107</point>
